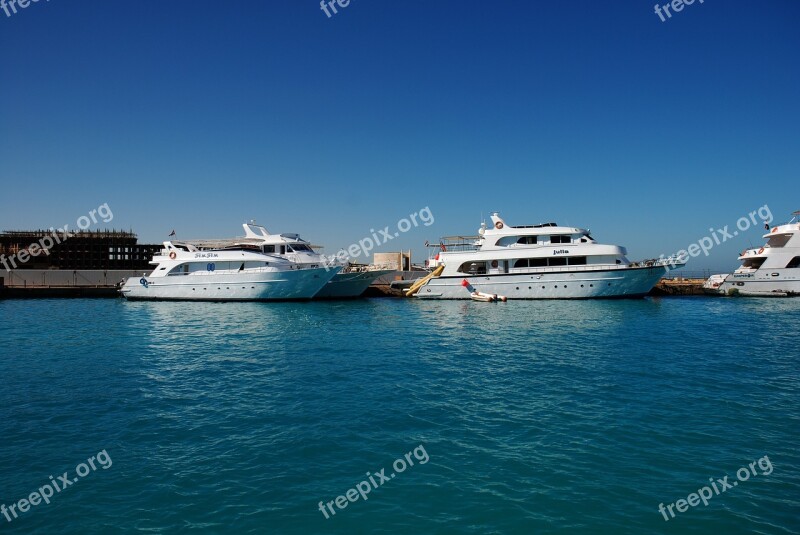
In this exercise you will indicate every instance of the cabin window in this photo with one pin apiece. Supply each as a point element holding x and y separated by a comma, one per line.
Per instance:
<point>299,247</point>
<point>560,261</point>
<point>753,263</point>
<point>269,248</point>
<point>795,262</point>
<point>521,263</point>
<point>473,268</point>
<point>283,249</point>
<point>537,262</point>
<point>180,269</point>
<point>560,239</point>
<point>528,240</point>
<point>577,260</point>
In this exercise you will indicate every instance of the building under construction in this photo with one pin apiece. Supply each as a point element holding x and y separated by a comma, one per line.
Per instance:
<point>87,250</point>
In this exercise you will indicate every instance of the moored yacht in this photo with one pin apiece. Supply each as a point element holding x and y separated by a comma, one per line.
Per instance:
<point>230,270</point>
<point>769,271</point>
<point>350,281</point>
<point>544,261</point>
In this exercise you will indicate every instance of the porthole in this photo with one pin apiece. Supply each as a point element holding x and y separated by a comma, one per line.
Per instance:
<point>517,287</point>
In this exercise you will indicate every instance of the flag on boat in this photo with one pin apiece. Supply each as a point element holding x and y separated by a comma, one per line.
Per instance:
<point>172,233</point>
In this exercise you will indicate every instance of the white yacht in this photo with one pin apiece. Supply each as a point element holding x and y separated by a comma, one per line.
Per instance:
<point>350,281</point>
<point>543,261</point>
<point>769,271</point>
<point>246,269</point>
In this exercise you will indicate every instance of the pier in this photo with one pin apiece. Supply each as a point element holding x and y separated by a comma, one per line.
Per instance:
<point>41,283</point>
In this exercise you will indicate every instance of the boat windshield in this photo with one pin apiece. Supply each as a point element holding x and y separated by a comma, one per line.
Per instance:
<point>459,243</point>
<point>300,248</point>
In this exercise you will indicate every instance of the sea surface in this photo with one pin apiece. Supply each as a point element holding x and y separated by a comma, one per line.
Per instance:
<point>519,417</point>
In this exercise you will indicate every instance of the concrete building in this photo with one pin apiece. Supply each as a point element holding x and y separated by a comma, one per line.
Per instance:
<point>400,261</point>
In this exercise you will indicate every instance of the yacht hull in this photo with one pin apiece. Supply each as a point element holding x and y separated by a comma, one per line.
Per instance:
<point>260,286</point>
<point>772,283</point>
<point>612,283</point>
<point>350,285</point>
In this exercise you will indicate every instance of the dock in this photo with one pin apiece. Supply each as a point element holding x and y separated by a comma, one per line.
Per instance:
<point>62,283</point>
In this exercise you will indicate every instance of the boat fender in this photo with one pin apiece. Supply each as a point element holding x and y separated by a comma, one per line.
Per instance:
<point>172,255</point>
<point>761,250</point>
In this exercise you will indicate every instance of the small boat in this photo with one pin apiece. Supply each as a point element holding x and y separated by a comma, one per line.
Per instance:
<point>475,295</point>
<point>478,296</point>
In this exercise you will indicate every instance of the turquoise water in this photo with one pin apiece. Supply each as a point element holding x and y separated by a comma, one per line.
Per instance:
<point>533,417</point>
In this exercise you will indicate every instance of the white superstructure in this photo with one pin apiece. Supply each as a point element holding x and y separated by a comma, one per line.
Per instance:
<point>257,267</point>
<point>769,271</point>
<point>350,281</point>
<point>543,261</point>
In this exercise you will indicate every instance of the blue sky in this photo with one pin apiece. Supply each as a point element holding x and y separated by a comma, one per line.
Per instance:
<point>198,115</point>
